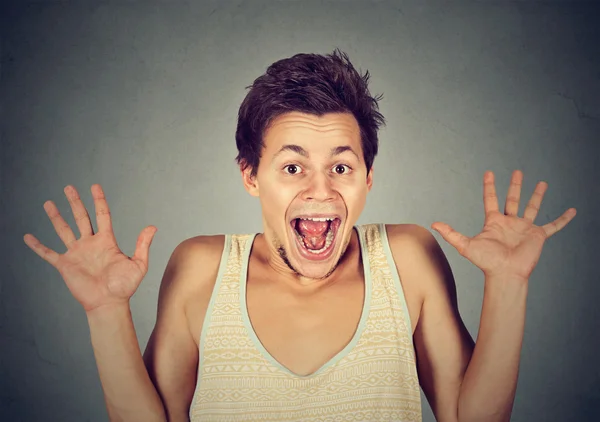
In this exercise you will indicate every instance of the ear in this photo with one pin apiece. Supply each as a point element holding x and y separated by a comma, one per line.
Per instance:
<point>250,182</point>
<point>370,180</point>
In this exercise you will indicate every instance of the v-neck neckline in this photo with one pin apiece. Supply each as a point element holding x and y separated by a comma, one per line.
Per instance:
<point>357,334</point>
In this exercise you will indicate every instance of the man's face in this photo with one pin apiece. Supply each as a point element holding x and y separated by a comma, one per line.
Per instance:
<point>310,166</point>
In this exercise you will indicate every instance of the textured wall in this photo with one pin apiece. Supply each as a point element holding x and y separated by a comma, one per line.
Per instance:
<point>142,98</point>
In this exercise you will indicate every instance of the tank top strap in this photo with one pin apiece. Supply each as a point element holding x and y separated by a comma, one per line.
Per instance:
<point>223,329</point>
<point>387,288</point>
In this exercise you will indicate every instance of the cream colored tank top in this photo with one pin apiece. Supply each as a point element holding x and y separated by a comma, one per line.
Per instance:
<point>374,378</point>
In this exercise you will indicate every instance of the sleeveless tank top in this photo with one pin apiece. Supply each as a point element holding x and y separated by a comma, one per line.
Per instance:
<point>373,378</point>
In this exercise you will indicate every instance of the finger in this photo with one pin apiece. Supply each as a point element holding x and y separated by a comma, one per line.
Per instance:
<point>46,253</point>
<point>459,241</point>
<point>511,207</point>
<point>82,218</point>
<point>490,200</point>
<point>533,207</point>
<point>560,222</point>
<point>142,247</point>
<point>60,225</point>
<point>102,211</point>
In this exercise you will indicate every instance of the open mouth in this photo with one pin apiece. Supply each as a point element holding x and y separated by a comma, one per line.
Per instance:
<point>315,237</point>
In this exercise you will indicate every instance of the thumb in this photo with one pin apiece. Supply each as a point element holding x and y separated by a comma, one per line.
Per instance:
<point>459,241</point>
<point>142,247</point>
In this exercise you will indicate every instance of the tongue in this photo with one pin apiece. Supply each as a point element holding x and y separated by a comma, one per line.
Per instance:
<point>314,233</point>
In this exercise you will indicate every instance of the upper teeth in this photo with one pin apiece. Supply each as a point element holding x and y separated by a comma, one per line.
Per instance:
<point>317,219</point>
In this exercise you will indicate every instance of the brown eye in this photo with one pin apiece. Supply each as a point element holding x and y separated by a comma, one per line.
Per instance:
<point>341,166</point>
<point>291,166</point>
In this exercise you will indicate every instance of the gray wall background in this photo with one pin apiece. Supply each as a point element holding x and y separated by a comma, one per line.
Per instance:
<point>142,97</point>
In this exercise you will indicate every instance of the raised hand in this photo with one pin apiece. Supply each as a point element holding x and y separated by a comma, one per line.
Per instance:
<point>508,246</point>
<point>94,269</point>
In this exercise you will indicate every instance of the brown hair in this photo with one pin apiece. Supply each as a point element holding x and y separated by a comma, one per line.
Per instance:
<point>308,83</point>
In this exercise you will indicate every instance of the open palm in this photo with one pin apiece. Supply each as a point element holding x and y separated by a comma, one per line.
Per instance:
<point>94,269</point>
<point>507,245</point>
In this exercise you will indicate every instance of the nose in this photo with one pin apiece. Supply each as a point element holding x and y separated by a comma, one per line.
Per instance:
<point>319,188</point>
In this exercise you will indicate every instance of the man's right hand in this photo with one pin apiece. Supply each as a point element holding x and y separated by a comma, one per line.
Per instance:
<point>96,271</point>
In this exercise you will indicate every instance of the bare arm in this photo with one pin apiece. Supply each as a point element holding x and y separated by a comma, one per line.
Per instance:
<point>103,279</point>
<point>159,386</point>
<point>506,250</point>
<point>171,355</point>
<point>463,380</point>
<point>490,381</point>
<point>442,343</point>
<point>128,391</point>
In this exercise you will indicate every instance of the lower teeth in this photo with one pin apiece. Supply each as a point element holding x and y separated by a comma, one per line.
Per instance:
<point>328,241</point>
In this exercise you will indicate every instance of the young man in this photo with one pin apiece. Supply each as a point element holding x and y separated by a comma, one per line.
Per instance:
<point>316,318</point>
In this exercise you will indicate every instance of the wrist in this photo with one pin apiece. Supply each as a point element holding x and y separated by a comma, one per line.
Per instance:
<point>505,291</point>
<point>505,278</point>
<point>108,311</point>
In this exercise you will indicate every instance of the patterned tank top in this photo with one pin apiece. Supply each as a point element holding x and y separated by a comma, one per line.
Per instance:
<point>373,378</point>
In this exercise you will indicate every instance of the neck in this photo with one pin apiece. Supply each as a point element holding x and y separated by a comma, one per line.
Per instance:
<point>277,269</point>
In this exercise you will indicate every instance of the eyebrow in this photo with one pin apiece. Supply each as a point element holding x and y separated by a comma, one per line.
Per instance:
<point>301,151</point>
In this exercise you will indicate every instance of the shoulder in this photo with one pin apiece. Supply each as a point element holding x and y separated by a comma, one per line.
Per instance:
<point>196,260</point>
<point>409,240</point>
<point>189,280</point>
<point>419,257</point>
<point>407,232</point>
<point>203,246</point>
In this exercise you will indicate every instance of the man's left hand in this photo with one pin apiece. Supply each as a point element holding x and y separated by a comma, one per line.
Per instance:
<point>508,245</point>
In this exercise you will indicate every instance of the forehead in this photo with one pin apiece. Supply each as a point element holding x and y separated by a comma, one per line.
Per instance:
<point>300,128</point>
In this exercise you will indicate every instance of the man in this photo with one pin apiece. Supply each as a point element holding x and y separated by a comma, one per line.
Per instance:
<point>316,318</point>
